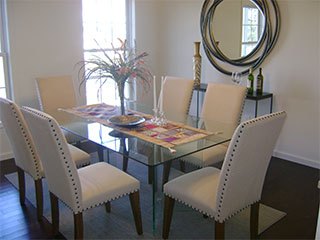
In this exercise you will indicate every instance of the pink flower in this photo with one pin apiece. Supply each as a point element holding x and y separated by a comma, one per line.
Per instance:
<point>122,70</point>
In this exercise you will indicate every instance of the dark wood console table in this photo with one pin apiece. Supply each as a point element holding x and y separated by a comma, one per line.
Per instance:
<point>254,96</point>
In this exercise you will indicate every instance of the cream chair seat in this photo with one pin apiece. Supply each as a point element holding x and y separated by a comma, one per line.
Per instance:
<point>208,156</point>
<point>222,103</point>
<point>221,194</point>
<point>25,154</point>
<point>93,181</point>
<point>82,189</point>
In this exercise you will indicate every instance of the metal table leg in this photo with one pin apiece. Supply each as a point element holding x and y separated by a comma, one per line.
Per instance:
<point>256,113</point>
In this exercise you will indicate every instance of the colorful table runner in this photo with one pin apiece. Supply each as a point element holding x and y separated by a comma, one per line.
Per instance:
<point>169,135</point>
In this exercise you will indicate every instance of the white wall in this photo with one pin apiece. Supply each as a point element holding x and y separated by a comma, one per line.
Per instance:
<point>45,40</point>
<point>168,28</point>
<point>229,41</point>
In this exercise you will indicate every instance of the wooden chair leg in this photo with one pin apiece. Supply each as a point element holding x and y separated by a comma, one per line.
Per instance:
<point>22,186</point>
<point>78,226</point>
<point>182,166</point>
<point>125,164</point>
<point>166,172</point>
<point>219,230</point>
<point>77,144</point>
<point>54,213</point>
<point>100,153</point>
<point>39,197</point>
<point>167,216</point>
<point>150,175</point>
<point>254,220</point>
<point>135,206</point>
<point>108,207</point>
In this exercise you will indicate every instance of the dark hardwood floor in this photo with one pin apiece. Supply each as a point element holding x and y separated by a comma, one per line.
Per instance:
<point>289,187</point>
<point>16,221</point>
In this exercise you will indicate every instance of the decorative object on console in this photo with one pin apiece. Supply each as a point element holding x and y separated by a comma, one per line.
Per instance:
<point>197,64</point>
<point>236,77</point>
<point>121,66</point>
<point>260,82</point>
<point>250,81</point>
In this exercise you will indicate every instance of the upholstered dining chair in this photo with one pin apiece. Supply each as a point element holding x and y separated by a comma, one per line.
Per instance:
<point>58,92</point>
<point>55,92</point>
<point>222,103</point>
<point>176,94</point>
<point>81,189</point>
<point>176,97</point>
<point>25,154</point>
<point>221,194</point>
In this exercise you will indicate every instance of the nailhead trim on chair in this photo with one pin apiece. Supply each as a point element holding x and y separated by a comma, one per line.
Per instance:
<point>190,99</point>
<point>109,200</point>
<point>26,138</point>
<point>98,204</point>
<point>245,124</point>
<point>38,94</point>
<point>187,204</point>
<point>202,165</point>
<point>217,218</point>
<point>242,107</point>
<point>76,189</point>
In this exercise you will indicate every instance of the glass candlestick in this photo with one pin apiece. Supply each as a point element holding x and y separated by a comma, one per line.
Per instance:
<point>155,119</point>
<point>162,119</point>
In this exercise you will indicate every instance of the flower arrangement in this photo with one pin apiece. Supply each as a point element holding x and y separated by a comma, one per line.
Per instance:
<point>122,66</point>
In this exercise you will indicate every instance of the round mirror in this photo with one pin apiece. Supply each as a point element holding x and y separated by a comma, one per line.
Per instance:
<point>244,22</point>
<point>240,33</point>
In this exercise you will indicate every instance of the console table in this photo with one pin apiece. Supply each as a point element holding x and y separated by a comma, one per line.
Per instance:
<point>254,96</point>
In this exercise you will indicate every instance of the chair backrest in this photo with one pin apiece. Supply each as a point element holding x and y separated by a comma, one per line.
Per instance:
<point>60,170</point>
<point>224,103</point>
<point>54,93</point>
<point>246,162</point>
<point>177,93</point>
<point>20,139</point>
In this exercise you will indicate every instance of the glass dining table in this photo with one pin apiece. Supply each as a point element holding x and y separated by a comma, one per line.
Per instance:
<point>158,159</point>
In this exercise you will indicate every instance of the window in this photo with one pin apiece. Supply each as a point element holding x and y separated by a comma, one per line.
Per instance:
<point>251,29</point>
<point>104,21</point>
<point>4,79</point>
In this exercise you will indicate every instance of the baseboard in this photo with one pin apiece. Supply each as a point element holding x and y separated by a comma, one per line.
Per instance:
<point>5,156</point>
<point>297,159</point>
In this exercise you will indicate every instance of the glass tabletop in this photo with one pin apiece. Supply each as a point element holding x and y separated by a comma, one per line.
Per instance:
<point>156,157</point>
<point>140,150</point>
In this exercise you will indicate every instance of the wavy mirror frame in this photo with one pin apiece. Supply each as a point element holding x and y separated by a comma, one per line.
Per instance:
<point>264,46</point>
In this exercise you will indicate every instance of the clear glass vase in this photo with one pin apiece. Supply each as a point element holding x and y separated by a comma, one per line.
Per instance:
<point>121,97</point>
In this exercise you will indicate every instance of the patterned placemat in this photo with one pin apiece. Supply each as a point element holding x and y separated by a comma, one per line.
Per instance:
<point>169,135</point>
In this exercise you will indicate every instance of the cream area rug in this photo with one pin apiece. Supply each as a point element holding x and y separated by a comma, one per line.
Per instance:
<point>119,224</point>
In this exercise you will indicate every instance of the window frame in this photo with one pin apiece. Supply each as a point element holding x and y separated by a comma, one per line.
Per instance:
<point>246,43</point>
<point>4,47</point>
<point>130,37</point>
